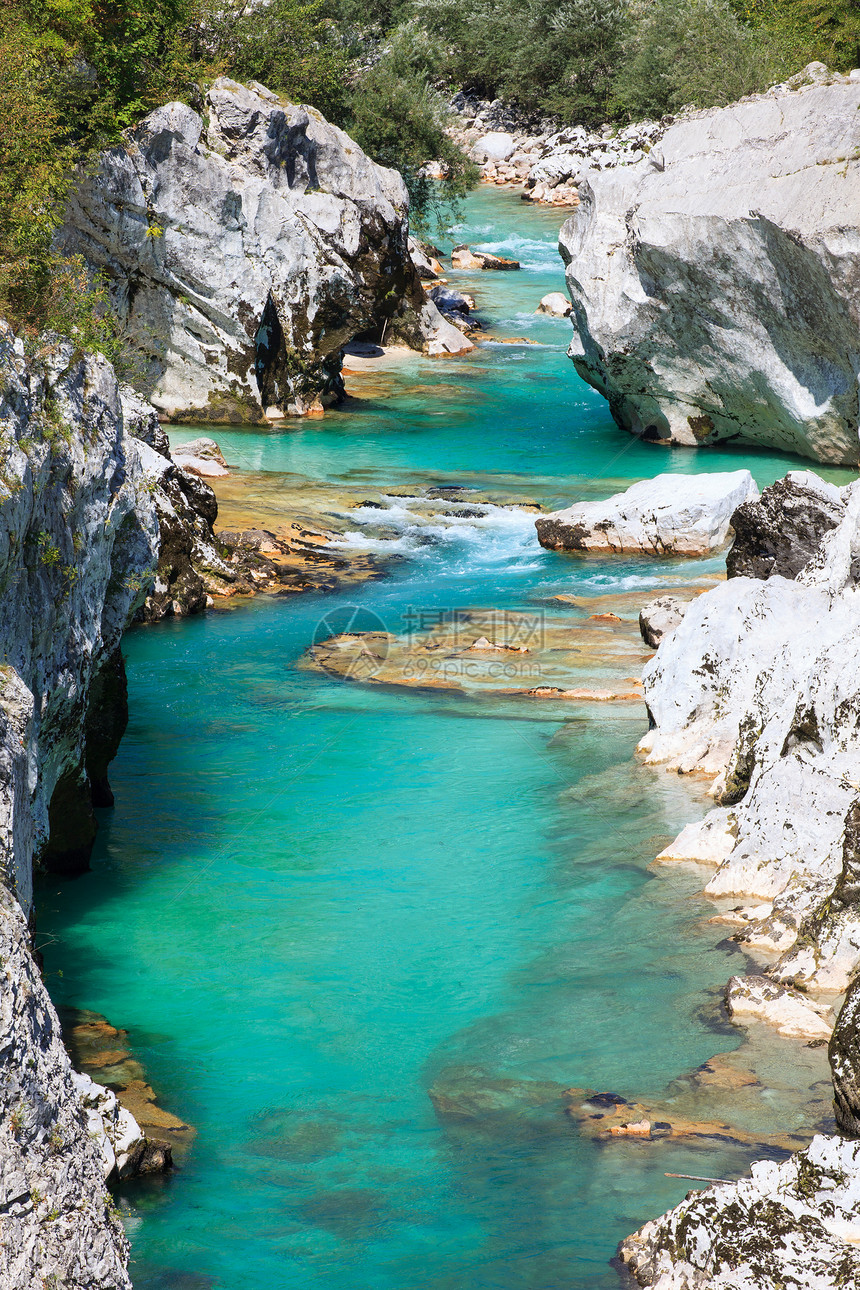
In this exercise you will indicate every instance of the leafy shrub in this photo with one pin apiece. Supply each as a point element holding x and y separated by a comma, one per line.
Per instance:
<point>691,52</point>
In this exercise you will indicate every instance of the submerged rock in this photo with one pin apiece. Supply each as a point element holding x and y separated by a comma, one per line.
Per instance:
<point>714,281</point>
<point>243,249</point>
<point>668,515</point>
<point>796,1223</point>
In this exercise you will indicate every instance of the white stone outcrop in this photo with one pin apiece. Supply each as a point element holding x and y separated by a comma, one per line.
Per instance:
<point>659,617</point>
<point>668,515</point>
<point>794,1224</point>
<point>714,281</point>
<point>757,688</point>
<point>556,304</point>
<point>112,1126</point>
<point>244,248</point>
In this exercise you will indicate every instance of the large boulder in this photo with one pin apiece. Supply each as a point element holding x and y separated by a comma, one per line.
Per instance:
<point>715,282</point>
<point>781,532</point>
<point>243,248</point>
<point>668,515</point>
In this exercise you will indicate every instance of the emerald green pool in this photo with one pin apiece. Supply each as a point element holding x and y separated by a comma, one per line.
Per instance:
<point>314,902</point>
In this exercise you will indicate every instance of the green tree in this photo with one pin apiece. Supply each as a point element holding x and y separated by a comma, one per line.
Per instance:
<point>804,31</point>
<point>400,121</point>
<point>691,52</point>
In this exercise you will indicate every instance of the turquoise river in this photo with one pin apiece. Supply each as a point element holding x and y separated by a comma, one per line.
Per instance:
<point>317,902</point>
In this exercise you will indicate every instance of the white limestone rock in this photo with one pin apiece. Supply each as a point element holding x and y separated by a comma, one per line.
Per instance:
<point>556,304</point>
<point>757,688</point>
<point>659,617</point>
<point>668,515</point>
<point>201,457</point>
<point>794,1224</point>
<point>787,1011</point>
<point>498,145</point>
<point>714,282</point>
<point>112,1126</point>
<point>244,250</point>
<point>707,842</point>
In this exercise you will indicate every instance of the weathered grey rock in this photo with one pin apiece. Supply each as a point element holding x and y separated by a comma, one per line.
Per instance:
<point>244,250</point>
<point>781,532</point>
<point>556,304</point>
<point>715,282</point>
<point>668,515</point>
<point>59,1227</point>
<point>78,545</point>
<point>659,617</point>
<point>844,1054</point>
<point>794,1224</point>
<point>757,687</point>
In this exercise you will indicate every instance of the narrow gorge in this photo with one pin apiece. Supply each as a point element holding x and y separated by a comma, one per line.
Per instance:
<point>431,809</point>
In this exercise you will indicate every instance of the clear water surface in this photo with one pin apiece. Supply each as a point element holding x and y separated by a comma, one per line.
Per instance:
<point>315,904</point>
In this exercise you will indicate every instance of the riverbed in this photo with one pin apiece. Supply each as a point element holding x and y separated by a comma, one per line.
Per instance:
<point>364,938</point>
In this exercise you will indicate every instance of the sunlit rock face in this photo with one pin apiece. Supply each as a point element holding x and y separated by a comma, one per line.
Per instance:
<point>757,687</point>
<point>243,248</point>
<point>796,1223</point>
<point>715,282</point>
<point>78,548</point>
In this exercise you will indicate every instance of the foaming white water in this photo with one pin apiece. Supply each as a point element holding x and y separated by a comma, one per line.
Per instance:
<point>534,254</point>
<point>461,534</point>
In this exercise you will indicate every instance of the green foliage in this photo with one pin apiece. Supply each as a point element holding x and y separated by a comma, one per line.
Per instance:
<point>565,62</point>
<point>291,46</point>
<point>400,120</point>
<point>691,52</point>
<point>49,552</point>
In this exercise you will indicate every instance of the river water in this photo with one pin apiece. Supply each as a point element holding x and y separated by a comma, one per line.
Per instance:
<point>315,902</point>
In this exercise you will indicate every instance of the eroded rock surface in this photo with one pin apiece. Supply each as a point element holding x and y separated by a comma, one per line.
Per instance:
<point>668,515</point>
<point>243,249</point>
<point>844,1054</point>
<point>792,1224</point>
<point>781,532</point>
<point>714,282</point>
<point>78,547</point>
<point>757,688</point>
<point>659,617</point>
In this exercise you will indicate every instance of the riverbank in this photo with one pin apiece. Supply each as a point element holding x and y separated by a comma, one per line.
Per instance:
<point>364,940</point>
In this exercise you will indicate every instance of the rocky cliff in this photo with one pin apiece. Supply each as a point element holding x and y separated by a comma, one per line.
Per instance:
<point>715,282</point>
<point>757,687</point>
<point>243,248</point>
<point>78,548</point>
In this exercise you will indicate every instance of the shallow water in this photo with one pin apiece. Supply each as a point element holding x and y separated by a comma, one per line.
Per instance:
<point>316,903</point>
